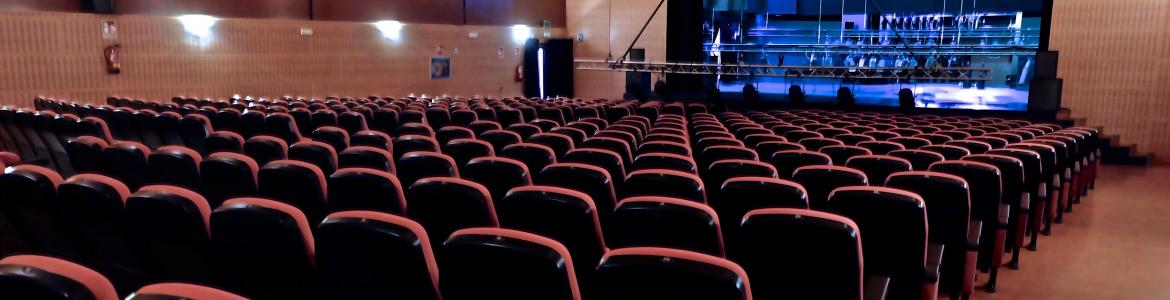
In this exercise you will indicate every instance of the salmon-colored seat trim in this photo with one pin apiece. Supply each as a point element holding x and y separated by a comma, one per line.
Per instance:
<point>52,175</point>
<point>687,255</point>
<point>832,169</point>
<point>97,284</point>
<point>118,186</point>
<point>9,158</point>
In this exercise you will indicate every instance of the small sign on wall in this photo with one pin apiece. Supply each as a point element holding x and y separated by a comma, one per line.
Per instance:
<point>109,30</point>
<point>440,68</point>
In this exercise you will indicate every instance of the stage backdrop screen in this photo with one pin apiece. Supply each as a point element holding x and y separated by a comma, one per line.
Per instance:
<point>961,54</point>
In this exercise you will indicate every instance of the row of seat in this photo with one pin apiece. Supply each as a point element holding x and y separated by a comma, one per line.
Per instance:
<point>662,166</point>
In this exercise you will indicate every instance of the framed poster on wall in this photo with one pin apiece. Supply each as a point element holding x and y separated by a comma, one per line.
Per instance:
<point>440,68</point>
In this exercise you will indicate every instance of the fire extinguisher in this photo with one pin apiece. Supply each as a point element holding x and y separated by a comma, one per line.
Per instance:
<point>519,73</point>
<point>113,56</point>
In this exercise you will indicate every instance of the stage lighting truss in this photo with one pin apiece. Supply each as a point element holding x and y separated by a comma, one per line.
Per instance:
<point>936,74</point>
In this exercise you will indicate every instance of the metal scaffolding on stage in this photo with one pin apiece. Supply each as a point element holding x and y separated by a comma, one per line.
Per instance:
<point>936,74</point>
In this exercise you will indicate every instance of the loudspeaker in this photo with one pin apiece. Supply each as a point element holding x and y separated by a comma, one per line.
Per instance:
<point>637,83</point>
<point>906,99</point>
<point>98,6</point>
<point>845,98</point>
<point>637,55</point>
<point>1045,94</point>
<point>795,95</point>
<point>1046,64</point>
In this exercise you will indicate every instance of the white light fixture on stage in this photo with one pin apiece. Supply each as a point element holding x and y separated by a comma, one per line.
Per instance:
<point>391,30</point>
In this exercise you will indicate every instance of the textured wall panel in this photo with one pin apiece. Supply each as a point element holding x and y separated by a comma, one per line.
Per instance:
<point>1114,59</point>
<point>60,55</point>
<point>609,27</point>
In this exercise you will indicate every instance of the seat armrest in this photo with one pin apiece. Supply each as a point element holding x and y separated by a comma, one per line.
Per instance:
<point>1042,191</point>
<point>876,287</point>
<point>934,257</point>
<point>1005,213</point>
<point>974,233</point>
<point>1026,201</point>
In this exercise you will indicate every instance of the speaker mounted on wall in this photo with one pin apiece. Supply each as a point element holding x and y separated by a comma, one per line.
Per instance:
<point>98,6</point>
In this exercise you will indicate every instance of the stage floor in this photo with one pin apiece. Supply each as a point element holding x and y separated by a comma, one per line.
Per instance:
<point>932,95</point>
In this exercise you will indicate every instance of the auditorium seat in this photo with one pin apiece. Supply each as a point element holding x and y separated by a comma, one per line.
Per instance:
<point>317,153</point>
<point>372,139</point>
<point>497,174</point>
<point>986,188</point>
<point>227,175</point>
<point>920,160</point>
<point>664,161</point>
<point>879,167</point>
<point>881,147</point>
<point>296,183</point>
<point>449,133</point>
<point>422,164</point>
<point>224,141</point>
<point>415,129</point>
<point>668,183</point>
<point>893,225</point>
<point>493,263</point>
<point>31,211</point>
<point>169,227</point>
<point>366,189</point>
<point>559,143</point>
<point>265,149</point>
<point>500,138</point>
<point>48,278</point>
<point>366,157</point>
<point>411,143</point>
<point>333,136</point>
<point>787,162</point>
<point>948,208</point>
<point>181,291</point>
<point>92,208</point>
<point>86,153</point>
<point>194,129</point>
<point>174,165</point>
<point>561,214</point>
<point>535,156</point>
<point>663,146</point>
<point>620,147</point>
<point>665,222</point>
<point>737,196</point>
<point>592,180</point>
<point>443,205</point>
<point>372,255</point>
<point>841,154</point>
<point>352,122</point>
<point>127,162</point>
<point>950,152</point>
<point>820,181</point>
<point>662,273</point>
<point>801,254</point>
<point>263,249</point>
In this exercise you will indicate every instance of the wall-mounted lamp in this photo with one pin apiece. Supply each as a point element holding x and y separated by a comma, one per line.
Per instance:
<point>521,33</point>
<point>391,30</point>
<point>197,25</point>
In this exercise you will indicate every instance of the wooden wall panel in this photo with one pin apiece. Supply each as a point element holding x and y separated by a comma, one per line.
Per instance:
<point>41,5</point>
<point>409,11</point>
<point>609,27</point>
<point>60,55</point>
<point>275,9</point>
<point>1114,60</point>
<point>511,12</point>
